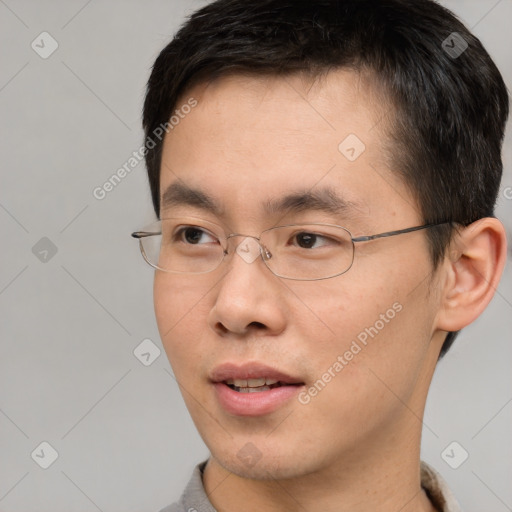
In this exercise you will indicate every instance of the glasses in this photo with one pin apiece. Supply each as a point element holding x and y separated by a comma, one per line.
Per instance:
<point>302,252</point>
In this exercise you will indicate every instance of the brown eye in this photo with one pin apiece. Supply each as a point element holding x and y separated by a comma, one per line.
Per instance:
<point>192,235</point>
<point>306,240</point>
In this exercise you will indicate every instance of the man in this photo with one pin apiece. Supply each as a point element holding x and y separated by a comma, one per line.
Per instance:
<point>325,195</point>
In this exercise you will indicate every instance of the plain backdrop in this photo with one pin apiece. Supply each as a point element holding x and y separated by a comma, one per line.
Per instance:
<point>76,297</point>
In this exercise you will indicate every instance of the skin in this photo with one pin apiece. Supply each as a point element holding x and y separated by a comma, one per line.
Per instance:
<point>355,446</point>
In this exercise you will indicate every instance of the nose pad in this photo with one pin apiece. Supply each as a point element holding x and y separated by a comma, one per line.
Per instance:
<point>266,253</point>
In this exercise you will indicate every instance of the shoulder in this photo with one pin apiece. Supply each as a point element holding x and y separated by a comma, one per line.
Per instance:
<point>175,507</point>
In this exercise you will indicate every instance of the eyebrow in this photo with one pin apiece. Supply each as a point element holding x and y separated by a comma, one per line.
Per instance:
<point>178,194</point>
<point>323,199</point>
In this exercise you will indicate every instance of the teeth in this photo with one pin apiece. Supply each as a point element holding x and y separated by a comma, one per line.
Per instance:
<point>255,383</point>
<point>251,383</point>
<point>253,390</point>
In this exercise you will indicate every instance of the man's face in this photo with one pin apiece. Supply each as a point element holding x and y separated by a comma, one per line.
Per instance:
<point>251,141</point>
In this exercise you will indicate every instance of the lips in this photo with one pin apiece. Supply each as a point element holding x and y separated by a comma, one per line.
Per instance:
<point>253,389</point>
<point>251,376</point>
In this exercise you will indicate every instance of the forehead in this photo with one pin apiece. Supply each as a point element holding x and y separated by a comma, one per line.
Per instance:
<point>251,139</point>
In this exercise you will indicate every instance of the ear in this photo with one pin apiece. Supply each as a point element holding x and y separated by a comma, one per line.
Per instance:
<point>473,266</point>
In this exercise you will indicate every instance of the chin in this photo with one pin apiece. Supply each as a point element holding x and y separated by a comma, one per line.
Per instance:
<point>263,470</point>
<point>267,463</point>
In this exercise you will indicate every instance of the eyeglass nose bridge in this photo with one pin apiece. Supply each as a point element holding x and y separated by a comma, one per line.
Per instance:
<point>263,248</point>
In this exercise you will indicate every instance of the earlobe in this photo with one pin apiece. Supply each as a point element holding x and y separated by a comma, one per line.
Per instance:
<point>474,264</point>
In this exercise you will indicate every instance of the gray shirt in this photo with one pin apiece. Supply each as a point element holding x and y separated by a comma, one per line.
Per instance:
<point>194,497</point>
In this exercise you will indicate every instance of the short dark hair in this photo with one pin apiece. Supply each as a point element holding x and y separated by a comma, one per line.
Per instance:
<point>449,113</point>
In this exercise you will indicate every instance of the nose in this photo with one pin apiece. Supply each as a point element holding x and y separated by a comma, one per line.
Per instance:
<point>249,299</point>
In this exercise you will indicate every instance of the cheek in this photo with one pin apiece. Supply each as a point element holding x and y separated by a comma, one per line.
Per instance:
<point>355,325</point>
<point>181,311</point>
<point>366,371</point>
<point>336,312</point>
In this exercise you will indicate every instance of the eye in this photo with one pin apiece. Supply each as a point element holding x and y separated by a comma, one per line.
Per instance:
<point>194,235</point>
<point>311,240</point>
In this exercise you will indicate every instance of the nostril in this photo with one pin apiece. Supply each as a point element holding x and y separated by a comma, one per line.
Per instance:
<point>257,325</point>
<point>221,328</point>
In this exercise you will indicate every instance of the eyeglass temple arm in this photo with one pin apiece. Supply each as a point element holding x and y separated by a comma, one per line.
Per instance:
<point>397,232</point>
<point>144,234</point>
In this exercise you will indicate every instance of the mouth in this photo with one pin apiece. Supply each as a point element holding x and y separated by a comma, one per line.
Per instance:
<point>256,385</point>
<point>252,376</point>
<point>253,389</point>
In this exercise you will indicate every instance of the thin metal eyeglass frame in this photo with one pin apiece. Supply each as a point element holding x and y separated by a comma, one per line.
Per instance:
<point>264,253</point>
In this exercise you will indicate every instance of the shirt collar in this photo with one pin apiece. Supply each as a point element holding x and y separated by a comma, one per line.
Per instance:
<point>437,489</point>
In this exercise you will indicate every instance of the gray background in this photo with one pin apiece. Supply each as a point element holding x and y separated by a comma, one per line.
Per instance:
<point>70,324</point>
